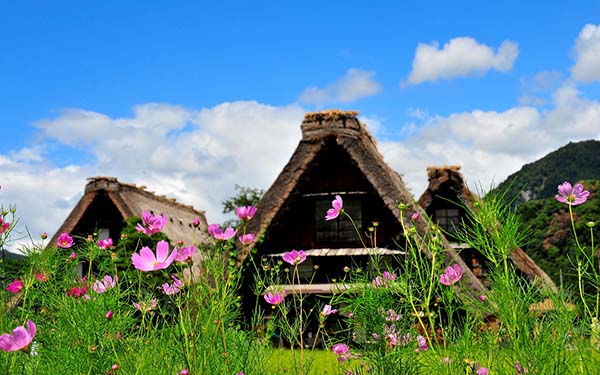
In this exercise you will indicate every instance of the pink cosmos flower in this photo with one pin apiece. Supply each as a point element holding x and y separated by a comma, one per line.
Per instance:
<point>342,350</point>
<point>15,286</point>
<point>151,224</point>
<point>77,291</point>
<point>64,240</point>
<point>414,216</point>
<point>294,257</point>
<point>452,275</point>
<point>108,315</point>
<point>107,283</point>
<point>3,225</point>
<point>382,281</point>
<point>170,289</point>
<point>146,307</point>
<point>482,371</point>
<point>327,310</point>
<point>196,222</point>
<point>185,254</point>
<point>246,239</point>
<point>571,195</point>
<point>337,206</point>
<point>73,256</point>
<point>146,260</point>
<point>20,338</point>
<point>217,232</point>
<point>41,277</point>
<point>274,298</point>
<point>422,343</point>
<point>245,212</point>
<point>186,372</point>
<point>105,244</point>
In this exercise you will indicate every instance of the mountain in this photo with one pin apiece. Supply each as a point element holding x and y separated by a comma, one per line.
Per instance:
<point>538,180</point>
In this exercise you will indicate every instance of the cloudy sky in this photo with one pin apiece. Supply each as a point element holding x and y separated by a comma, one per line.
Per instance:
<point>193,98</point>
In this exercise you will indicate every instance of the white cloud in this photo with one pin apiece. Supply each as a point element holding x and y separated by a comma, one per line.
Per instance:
<point>491,145</point>
<point>196,156</point>
<point>356,84</point>
<point>460,57</point>
<point>587,54</point>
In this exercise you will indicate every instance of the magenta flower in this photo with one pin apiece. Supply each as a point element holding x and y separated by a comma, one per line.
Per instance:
<point>422,342</point>
<point>64,240</point>
<point>15,286</point>
<point>246,239</point>
<point>294,257</point>
<point>274,298</point>
<point>196,222</point>
<point>3,225</point>
<point>20,338</point>
<point>245,212</point>
<point>73,256</point>
<point>382,281</point>
<point>452,275</point>
<point>185,254</point>
<point>170,289</point>
<point>571,195</point>
<point>482,371</point>
<point>217,232</point>
<point>41,277</point>
<point>146,307</point>
<point>105,244</point>
<point>108,315</point>
<point>414,216</point>
<point>147,261</point>
<point>107,283</point>
<point>327,310</point>
<point>151,224</point>
<point>337,207</point>
<point>342,350</point>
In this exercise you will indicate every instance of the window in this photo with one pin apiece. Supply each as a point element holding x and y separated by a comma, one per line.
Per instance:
<point>447,218</point>
<point>340,229</point>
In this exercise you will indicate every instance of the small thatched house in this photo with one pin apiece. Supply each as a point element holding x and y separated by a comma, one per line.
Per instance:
<point>445,201</point>
<point>337,156</point>
<point>107,203</point>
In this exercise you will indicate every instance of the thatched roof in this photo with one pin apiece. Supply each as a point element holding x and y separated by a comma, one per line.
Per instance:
<point>349,134</point>
<point>450,178</point>
<point>131,200</point>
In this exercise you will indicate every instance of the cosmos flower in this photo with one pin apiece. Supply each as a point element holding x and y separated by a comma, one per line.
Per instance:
<point>151,224</point>
<point>247,238</point>
<point>105,244</point>
<point>185,254</point>
<point>20,338</point>
<point>217,232</point>
<point>452,275</point>
<point>146,260</point>
<point>337,207</point>
<point>571,195</point>
<point>101,286</point>
<point>327,310</point>
<point>245,212</point>
<point>64,240</point>
<point>15,286</point>
<point>274,298</point>
<point>294,257</point>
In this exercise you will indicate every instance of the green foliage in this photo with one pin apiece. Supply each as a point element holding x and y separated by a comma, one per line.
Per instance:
<point>538,180</point>
<point>245,196</point>
<point>550,242</point>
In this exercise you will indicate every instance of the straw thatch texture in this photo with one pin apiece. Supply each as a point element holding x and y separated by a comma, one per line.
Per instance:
<point>130,200</point>
<point>349,134</point>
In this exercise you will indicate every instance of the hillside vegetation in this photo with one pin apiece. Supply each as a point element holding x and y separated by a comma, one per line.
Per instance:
<point>538,180</point>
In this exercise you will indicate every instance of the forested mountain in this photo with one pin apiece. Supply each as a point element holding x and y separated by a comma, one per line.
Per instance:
<point>538,180</point>
<point>551,242</point>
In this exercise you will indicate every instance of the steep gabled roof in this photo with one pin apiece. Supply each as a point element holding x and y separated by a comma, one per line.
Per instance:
<point>130,200</point>
<point>450,178</point>
<point>352,136</point>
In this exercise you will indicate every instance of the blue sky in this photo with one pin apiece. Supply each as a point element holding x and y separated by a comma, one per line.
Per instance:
<point>190,98</point>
